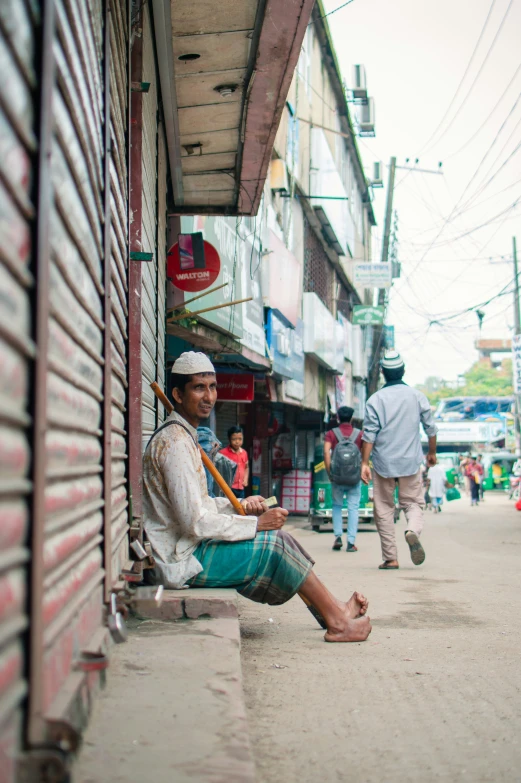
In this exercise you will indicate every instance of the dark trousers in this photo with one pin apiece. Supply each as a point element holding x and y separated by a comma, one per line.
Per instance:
<point>474,490</point>
<point>239,493</point>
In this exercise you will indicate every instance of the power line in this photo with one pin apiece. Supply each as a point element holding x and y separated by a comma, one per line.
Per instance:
<point>334,10</point>
<point>491,47</point>
<point>482,187</point>
<point>502,292</point>
<point>463,77</point>
<point>464,146</point>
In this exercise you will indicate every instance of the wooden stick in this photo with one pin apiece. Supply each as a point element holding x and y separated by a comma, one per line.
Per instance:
<point>203,293</point>
<point>237,505</point>
<point>180,316</point>
<point>158,391</point>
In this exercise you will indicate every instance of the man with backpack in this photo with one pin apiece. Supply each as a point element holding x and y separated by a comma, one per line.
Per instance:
<point>342,456</point>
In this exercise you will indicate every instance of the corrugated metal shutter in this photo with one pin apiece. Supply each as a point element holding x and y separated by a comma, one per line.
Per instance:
<point>148,235</point>
<point>265,489</point>
<point>16,145</point>
<point>227,416</point>
<point>117,547</point>
<point>67,569</point>
<point>162,167</point>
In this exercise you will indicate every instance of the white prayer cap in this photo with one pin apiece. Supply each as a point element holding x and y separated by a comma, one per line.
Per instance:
<point>191,363</point>
<point>392,361</point>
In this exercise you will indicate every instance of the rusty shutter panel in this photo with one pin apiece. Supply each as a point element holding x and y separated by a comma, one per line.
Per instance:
<point>149,162</point>
<point>67,589</point>
<point>162,167</point>
<point>17,143</point>
<point>116,544</point>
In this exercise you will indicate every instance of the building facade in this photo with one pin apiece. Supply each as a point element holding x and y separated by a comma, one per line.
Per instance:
<point>292,349</point>
<point>114,116</point>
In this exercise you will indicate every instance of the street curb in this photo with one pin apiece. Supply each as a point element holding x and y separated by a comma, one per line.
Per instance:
<point>194,603</point>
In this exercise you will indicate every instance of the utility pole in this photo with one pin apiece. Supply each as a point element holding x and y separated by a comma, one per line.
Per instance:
<point>517,331</point>
<point>378,331</point>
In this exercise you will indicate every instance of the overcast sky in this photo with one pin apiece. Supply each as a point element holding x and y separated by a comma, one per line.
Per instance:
<point>416,55</point>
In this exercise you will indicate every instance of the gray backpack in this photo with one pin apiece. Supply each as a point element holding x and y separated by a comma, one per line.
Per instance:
<point>346,465</point>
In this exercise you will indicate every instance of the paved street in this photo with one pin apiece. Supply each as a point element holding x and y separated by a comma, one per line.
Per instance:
<point>434,695</point>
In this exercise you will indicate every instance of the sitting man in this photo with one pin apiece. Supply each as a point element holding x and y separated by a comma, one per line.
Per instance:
<point>199,541</point>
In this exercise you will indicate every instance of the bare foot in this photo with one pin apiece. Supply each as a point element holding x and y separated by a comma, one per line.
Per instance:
<point>357,605</point>
<point>353,631</point>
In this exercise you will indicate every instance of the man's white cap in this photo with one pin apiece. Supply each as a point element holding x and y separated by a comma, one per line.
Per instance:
<point>191,363</point>
<point>392,360</point>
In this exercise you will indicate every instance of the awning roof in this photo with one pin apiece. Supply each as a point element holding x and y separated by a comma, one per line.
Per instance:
<point>225,70</point>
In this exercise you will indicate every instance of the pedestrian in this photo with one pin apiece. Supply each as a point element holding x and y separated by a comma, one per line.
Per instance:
<point>199,541</point>
<point>425,484</point>
<point>342,456</point>
<point>464,463</point>
<point>236,453</point>
<point>437,479</point>
<point>392,436</point>
<point>474,474</point>
<point>479,461</point>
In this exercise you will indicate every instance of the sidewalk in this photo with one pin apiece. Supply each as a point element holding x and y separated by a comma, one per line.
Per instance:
<point>173,709</point>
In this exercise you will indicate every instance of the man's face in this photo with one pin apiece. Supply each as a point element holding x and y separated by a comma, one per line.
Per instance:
<point>236,441</point>
<point>198,398</point>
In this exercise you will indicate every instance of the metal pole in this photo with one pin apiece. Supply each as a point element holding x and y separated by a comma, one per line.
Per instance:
<point>517,330</point>
<point>388,218</point>
<point>378,330</point>
<point>517,324</point>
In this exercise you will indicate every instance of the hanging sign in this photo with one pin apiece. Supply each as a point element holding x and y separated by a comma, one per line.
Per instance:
<point>235,387</point>
<point>193,264</point>
<point>389,336</point>
<point>373,275</point>
<point>366,315</point>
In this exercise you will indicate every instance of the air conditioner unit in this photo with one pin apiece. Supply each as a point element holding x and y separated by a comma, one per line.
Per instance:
<point>366,121</point>
<point>377,181</point>
<point>279,175</point>
<point>359,82</point>
<point>283,344</point>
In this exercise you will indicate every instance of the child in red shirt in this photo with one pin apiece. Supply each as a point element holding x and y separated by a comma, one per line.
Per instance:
<point>237,454</point>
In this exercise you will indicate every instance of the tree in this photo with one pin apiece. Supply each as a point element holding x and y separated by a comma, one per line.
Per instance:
<point>481,380</point>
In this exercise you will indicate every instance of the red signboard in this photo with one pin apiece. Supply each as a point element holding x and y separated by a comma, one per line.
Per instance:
<point>193,264</point>
<point>235,387</point>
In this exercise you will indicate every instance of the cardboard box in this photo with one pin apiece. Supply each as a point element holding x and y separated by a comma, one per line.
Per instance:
<point>302,505</point>
<point>289,503</point>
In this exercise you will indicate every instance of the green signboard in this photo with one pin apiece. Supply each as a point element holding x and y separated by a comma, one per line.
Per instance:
<point>366,315</point>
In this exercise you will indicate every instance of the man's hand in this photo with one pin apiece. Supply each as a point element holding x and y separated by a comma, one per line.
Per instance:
<point>431,459</point>
<point>272,520</point>
<point>254,505</point>
<point>366,473</point>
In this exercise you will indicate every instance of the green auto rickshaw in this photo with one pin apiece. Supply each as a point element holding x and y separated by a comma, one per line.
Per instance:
<point>321,507</point>
<point>497,467</point>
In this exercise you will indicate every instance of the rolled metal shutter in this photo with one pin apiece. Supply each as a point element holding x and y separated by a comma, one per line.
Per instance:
<point>226,417</point>
<point>17,143</point>
<point>265,489</point>
<point>162,167</point>
<point>67,568</point>
<point>149,313</point>
<point>116,544</point>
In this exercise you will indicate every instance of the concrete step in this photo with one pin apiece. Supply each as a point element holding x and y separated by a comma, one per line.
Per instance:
<point>173,708</point>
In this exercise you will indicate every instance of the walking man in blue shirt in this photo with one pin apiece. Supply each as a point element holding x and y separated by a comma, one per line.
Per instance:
<point>392,436</point>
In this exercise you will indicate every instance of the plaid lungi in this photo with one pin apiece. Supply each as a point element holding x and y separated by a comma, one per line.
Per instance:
<point>269,568</point>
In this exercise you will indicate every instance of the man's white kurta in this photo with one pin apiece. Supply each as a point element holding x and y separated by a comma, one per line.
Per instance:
<point>177,510</point>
